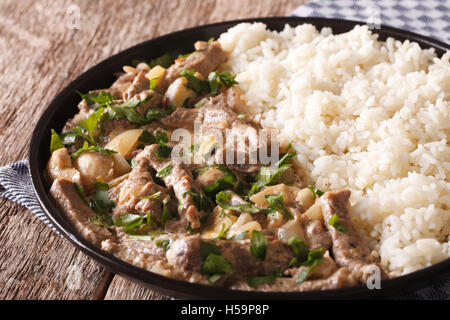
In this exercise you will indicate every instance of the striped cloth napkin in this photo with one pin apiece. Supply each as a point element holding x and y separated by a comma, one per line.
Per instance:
<point>430,18</point>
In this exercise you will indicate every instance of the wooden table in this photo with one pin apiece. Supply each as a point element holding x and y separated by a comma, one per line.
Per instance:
<point>40,53</point>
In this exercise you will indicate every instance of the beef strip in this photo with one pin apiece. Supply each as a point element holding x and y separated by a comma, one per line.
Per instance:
<point>127,195</point>
<point>340,279</point>
<point>121,84</point>
<point>316,235</point>
<point>181,181</point>
<point>185,253</point>
<point>139,84</point>
<point>146,254</point>
<point>349,249</point>
<point>77,210</point>
<point>206,58</point>
<point>216,119</point>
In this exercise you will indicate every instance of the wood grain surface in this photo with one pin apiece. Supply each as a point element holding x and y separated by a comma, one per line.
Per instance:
<point>39,55</point>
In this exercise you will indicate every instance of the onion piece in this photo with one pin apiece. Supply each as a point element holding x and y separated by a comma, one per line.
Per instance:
<point>125,142</point>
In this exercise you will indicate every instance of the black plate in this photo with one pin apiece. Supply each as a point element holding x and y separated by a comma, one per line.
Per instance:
<point>64,106</point>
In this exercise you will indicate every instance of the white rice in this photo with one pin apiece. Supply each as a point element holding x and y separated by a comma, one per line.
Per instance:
<point>365,115</point>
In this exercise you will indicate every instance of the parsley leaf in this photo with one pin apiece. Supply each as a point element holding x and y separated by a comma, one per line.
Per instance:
<point>154,114</point>
<point>80,191</point>
<point>214,83</point>
<point>223,233</point>
<point>334,222</point>
<point>300,249</point>
<point>152,196</point>
<point>200,201</point>
<point>215,266</point>
<point>153,83</point>
<point>220,184</point>
<point>102,98</point>
<point>164,172</point>
<point>256,281</point>
<point>147,138</point>
<point>101,201</point>
<point>316,192</point>
<point>277,203</point>
<point>166,215</point>
<point>216,80</point>
<point>314,257</point>
<point>194,83</point>
<point>69,137</point>
<point>223,200</point>
<point>129,222</point>
<point>268,176</point>
<point>164,60</point>
<point>91,123</point>
<point>206,248</point>
<point>86,148</point>
<point>259,244</point>
<point>164,243</point>
<point>55,142</point>
<point>101,204</point>
<point>128,111</point>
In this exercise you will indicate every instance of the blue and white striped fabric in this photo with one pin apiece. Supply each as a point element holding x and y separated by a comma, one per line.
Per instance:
<point>15,185</point>
<point>431,18</point>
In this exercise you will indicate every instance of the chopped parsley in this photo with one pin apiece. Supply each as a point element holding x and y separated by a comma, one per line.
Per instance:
<point>200,201</point>
<point>91,123</point>
<point>86,148</point>
<point>166,214</point>
<point>147,138</point>
<point>101,204</point>
<point>334,222</point>
<point>211,86</point>
<point>207,248</point>
<point>276,202</point>
<point>224,183</point>
<point>223,233</point>
<point>127,110</point>
<point>258,245</point>
<point>216,80</point>
<point>80,191</point>
<point>215,266</point>
<point>257,281</point>
<point>55,142</point>
<point>164,243</point>
<point>153,83</point>
<point>70,137</point>
<point>165,60</point>
<point>130,221</point>
<point>102,99</point>
<point>316,192</point>
<point>163,150</point>
<point>300,249</point>
<point>268,176</point>
<point>164,172</point>
<point>314,257</point>
<point>194,83</point>
<point>223,200</point>
<point>152,196</point>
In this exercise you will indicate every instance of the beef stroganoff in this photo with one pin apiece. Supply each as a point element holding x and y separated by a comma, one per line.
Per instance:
<point>253,197</point>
